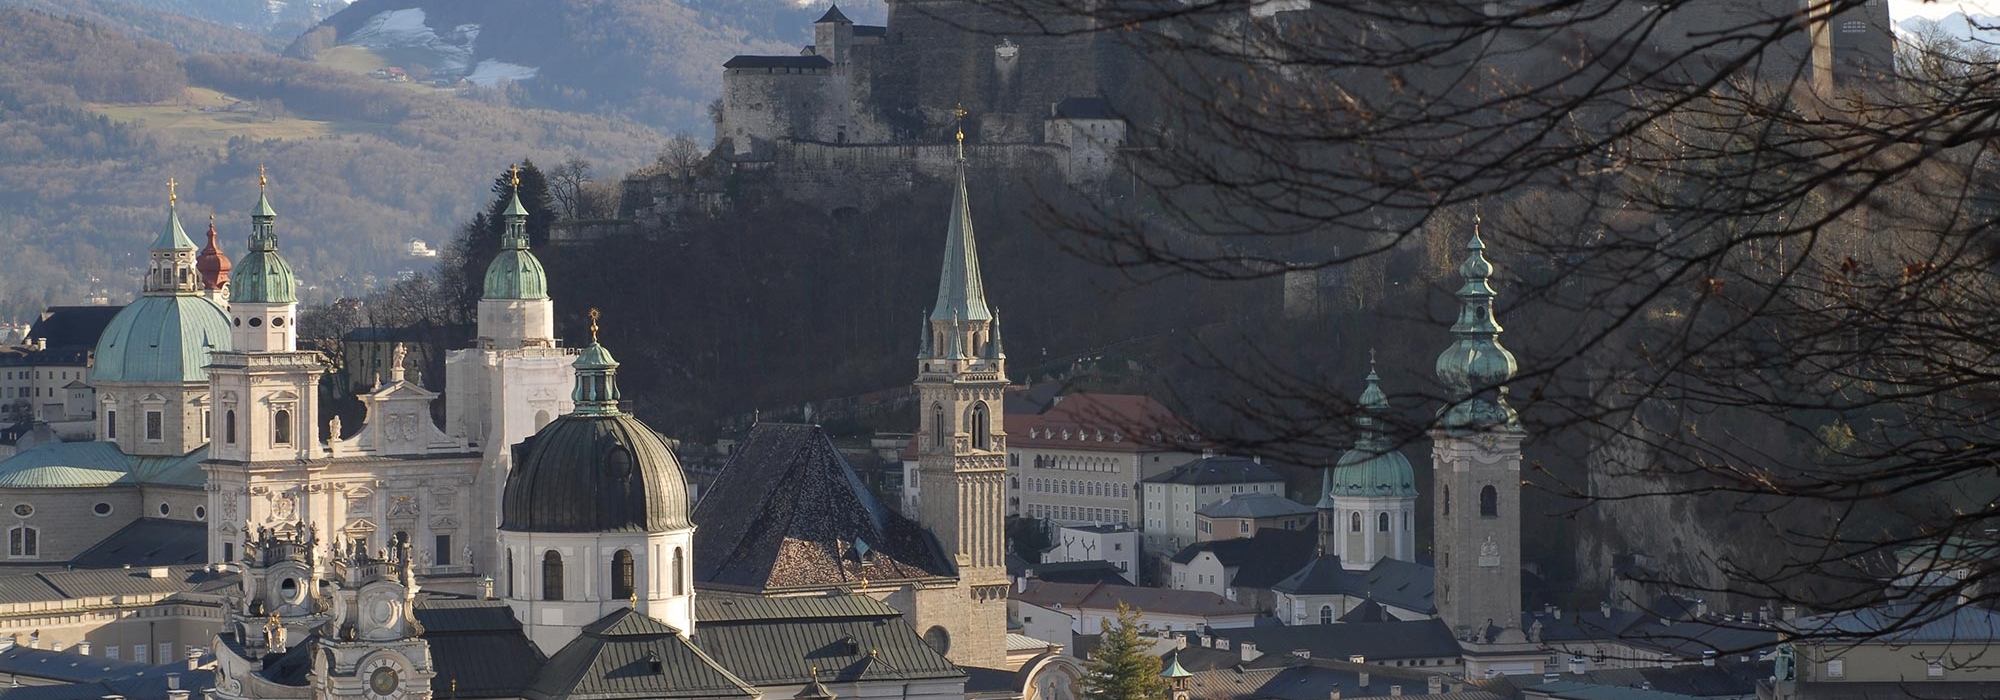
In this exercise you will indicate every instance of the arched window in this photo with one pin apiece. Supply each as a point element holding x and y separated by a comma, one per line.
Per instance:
<point>1326,614</point>
<point>24,541</point>
<point>679,573</point>
<point>1489,503</point>
<point>980,439</point>
<point>1382,522</point>
<point>621,575</point>
<point>281,427</point>
<point>1444,496</point>
<point>1354,521</point>
<point>938,432</point>
<point>229,427</point>
<point>552,576</point>
<point>510,573</point>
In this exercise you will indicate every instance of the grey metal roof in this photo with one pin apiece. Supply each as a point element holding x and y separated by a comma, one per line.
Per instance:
<point>1308,682</point>
<point>1260,561</point>
<point>595,473</point>
<point>1729,679</point>
<point>1896,691</point>
<point>1412,639</point>
<point>845,638</point>
<point>1905,623</point>
<point>799,62</point>
<point>72,326</point>
<point>150,684</point>
<point>788,511</point>
<point>1217,470</point>
<point>1573,690</point>
<point>97,464</point>
<point>65,666</point>
<point>148,542</point>
<point>1097,571</point>
<point>1255,505</point>
<point>1394,582</point>
<point>719,609</point>
<point>629,655</point>
<point>479,645</point>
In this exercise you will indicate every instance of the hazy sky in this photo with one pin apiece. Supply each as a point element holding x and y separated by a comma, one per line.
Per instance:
<point>1900,9</point>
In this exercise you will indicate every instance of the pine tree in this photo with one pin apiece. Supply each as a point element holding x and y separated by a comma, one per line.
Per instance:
<point>1122,666</point>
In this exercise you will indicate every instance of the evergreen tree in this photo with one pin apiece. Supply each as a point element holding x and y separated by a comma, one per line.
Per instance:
<point>479,240</point>
<point>1122,667</point>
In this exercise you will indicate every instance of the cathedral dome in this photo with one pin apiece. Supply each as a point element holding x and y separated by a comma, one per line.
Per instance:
<point>597,469</point>
<point>1368,472</point>
<point>516,274</point>
<point>161,339</point>
<point>264,277</point>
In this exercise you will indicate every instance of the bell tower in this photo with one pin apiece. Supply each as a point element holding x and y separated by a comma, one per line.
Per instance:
<point>1476,453</point>
<point>962,449</point>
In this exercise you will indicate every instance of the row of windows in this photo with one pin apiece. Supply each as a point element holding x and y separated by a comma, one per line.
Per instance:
<point>1382,521</point>
<point>1096,515</point>
<point>23,393</point>
<point>44,374</point>
<point>1079,487</point>
<point>155,428</point>
<point>1076,463</point>
<point>624,581</point>
<point>138,652</point>
<point>1489,501</point>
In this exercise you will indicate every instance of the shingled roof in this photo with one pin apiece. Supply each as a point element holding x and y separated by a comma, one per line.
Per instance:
<point>848,638</point>
<point>1260,561</point>
<point>1393,582</point>
<point>788,511</point>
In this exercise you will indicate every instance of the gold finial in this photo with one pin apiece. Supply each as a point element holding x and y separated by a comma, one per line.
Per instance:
<point>593,333</point>
<point>515,172</point>
<point>172,196</point>
<point>211,219</point>
<point>635,598</point>
<point>959,114</point>
<point>261,180</point>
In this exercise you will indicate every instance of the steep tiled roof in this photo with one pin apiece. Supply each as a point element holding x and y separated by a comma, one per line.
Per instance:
<point>788,511</point>
<point>1393,582</point>
<point>1102,423</point>
<point>1218,470</point>
<point>847,637</point>
<point>628,655</point>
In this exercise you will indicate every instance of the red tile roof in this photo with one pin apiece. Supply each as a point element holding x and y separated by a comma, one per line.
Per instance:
<point>1103,423</point>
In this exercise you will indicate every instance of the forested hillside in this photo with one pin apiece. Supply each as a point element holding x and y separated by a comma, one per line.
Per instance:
<point>93,123</point>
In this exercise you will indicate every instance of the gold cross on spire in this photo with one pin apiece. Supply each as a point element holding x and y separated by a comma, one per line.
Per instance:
<point>593,325</point>
<point>172,196</point>
<point>515,172</point>
<point>958,113</point>
<point>261,181</point>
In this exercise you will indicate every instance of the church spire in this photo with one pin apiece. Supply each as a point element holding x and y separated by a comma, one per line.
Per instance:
<point>961,294</point>
<point>262,276</point>
<point>1476,366</point>
<point>596,392</point>
<point>173,237</point>
<point>516,236</point>
<point>515,273</point>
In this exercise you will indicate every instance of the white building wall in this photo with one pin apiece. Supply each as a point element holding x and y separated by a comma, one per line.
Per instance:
<point>664,591</point>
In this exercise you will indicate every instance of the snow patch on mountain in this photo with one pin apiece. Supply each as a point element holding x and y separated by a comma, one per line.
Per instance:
<point>407,32</point>
<point>491,72</point>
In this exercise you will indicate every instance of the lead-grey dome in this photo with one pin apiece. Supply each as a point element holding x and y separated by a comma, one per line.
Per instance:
<point>595,473</point>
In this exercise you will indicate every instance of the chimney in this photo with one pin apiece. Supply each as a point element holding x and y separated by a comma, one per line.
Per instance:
<point>35,639</point>
<point>1645,685</point>
<point>8,641</point>
<point>1604,609</point>
<point>486,588</point>
<point>1551,677</point>
<point>1577,664</point>
<point>1361,680</point>
<point>1790,613</point>
<point>1558,613</point>
<point>1021,584</point>
<point>1395,691</point>
<point>1708,658</point>
<point>1249,650</point>
<point>1333,694</point>
<point>193,658</point>
<point>83,648</point>
<point>173,681</point>
<point>1434,685</point>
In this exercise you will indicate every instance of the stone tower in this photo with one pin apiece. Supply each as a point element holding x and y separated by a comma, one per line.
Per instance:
<point>1368,511</point>
<point>266,395</point>
<point>516,378</point>
<point>962,452</point>
<point>1476,455</point>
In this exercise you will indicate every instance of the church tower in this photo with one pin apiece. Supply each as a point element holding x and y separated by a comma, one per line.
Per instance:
<point>516,378</point>
<point>962,451</point>
<point>1476,453</point>
<point>214,268</point>
<point>266,393</point>
<point>1368,512</point>
<point>595,517</point>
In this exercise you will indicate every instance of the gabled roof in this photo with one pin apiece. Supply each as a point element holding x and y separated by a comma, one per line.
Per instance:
<point>833,15</point>
<point>628,655</point>
<point>1101,423</point>
<point>1378,641</point>
<point>1368,611</point>
<point>1260,561</point>
<point>1255,505</point>
<point>779,641</point>
<point>787,511</point>
<point>1218,470</point>
<point>1393,582</point>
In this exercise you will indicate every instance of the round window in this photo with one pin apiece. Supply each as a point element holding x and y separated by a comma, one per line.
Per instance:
<point>24,510</point>
<point>938,639</point>
<point>279,321</point>
<point>101,509</point>
<point>239,320</point>
<point>255,322</point>
<point>164,509</point>
<point>200,512</point>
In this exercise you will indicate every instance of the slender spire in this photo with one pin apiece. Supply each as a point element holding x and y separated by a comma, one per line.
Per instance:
<point>994,351</point>
<point>596,392</point>
<point>173,237</point>
<point>516,237</point>
<point>1476,367</point>
<point>924,340</point>
<point>1326,489</point>
<point>263,209</point>
<point>952,338</point>
<point>1368,421</point>
<point>961,294</point>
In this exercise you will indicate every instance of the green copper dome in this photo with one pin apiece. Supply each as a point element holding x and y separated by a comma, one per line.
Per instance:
<point>1374,467</point>
<point>516,273</point>
<point>262,276</point>
<point>163,339</point>
<point>1476,367</point>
